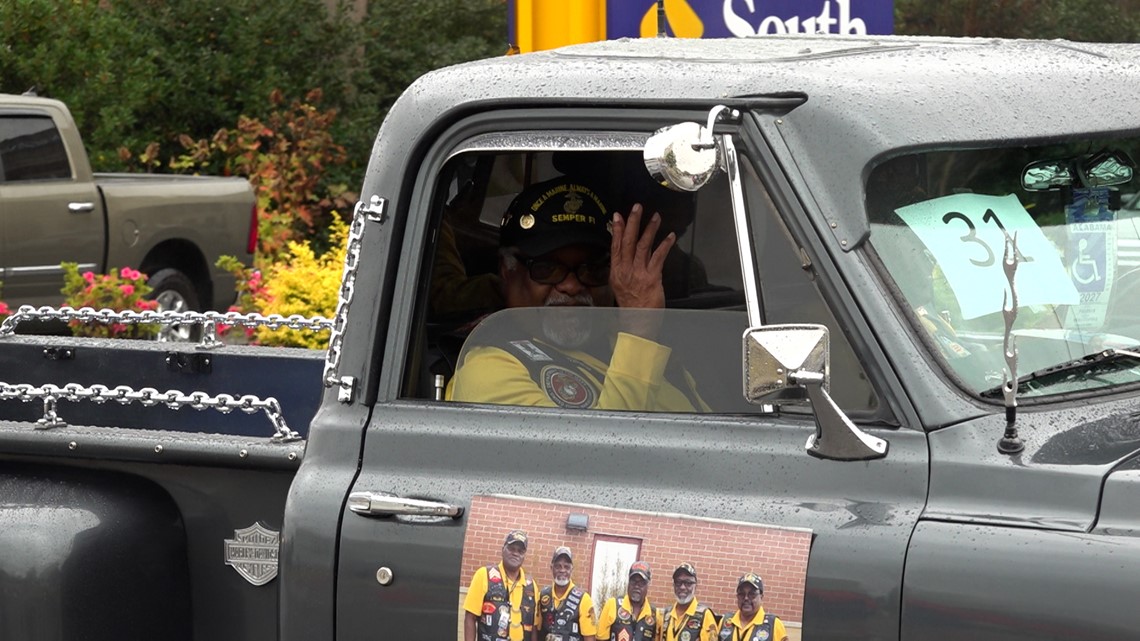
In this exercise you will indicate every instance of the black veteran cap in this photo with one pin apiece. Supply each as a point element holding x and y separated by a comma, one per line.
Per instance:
<point>516,536</point>
<point>640,567</point>
<point>687,568</point>
<point>563,551</point>
<point>553,214</point>
<point>752,579</point>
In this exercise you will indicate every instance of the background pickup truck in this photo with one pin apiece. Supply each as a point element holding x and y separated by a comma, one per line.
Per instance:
<point>172,228</point>
<point>876,238</point>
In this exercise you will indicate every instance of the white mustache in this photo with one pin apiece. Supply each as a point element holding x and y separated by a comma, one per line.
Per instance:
<point>558,298</point>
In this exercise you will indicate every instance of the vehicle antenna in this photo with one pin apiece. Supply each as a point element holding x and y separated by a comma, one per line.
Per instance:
<point>1010,442</point>
<point>662,20</point>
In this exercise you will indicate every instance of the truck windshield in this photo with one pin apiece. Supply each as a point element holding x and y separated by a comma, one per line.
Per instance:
<point>939,225</point>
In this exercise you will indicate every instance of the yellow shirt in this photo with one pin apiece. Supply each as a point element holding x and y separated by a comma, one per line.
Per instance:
<point>587,627</point>
<point>609,613</point>
<point>743,631</point>
<point>477,590</point>
<point>702,630</point>
<point>634,379</point>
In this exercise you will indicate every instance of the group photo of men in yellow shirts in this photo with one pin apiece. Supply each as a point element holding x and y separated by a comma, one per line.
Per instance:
<point>504,603</point>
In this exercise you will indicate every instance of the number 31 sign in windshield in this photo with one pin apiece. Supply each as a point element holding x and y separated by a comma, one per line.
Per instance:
<point>966,235</point>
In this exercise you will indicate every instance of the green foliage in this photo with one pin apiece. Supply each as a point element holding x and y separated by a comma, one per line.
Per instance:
<point>135,72</point>
<point>284,157</point>
<point>1081,20</point>
<point>91,57</point>
<point>121,289</point>
<point>221,58</point>
<point>407,38</point>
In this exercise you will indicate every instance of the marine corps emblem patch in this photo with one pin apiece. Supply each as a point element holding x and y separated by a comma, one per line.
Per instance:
<point>567,388</point>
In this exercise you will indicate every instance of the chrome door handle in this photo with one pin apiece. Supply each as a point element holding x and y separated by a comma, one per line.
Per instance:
<point>380,504</point>
<point>80,208</point>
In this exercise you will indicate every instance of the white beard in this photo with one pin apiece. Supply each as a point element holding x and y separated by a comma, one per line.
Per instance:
<point>568,327</point>
<point>687,600</point>
<point>562,582</point>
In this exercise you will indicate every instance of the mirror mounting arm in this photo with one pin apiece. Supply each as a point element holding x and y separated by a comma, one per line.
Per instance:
<point>718,113</point>
<point>841,440</point>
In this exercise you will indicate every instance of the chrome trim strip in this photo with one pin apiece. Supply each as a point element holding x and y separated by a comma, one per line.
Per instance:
<point>553,141</point>
<point>743,240</point>
<point>50,270</point>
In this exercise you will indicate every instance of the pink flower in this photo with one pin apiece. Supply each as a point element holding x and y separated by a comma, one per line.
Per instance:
<point>127,289</point>
<point>89,277</point>
<point>4,308</point>
<point>130,274</point>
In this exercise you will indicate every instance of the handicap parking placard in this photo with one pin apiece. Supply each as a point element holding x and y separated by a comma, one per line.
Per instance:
<point>1090,256</point>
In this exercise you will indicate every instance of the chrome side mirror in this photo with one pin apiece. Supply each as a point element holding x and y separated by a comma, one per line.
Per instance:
<point>791,364</point>
<point>682,157</point>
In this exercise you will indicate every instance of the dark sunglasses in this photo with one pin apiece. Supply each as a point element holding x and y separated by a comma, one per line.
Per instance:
<point>593,273</point>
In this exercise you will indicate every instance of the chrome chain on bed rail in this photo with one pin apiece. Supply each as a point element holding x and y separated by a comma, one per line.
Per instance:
<point>374,211</point>
<point>149,397</point>
<point>208,320</point>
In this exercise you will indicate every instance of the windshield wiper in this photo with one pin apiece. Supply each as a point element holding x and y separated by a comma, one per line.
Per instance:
<point>1084,363</point>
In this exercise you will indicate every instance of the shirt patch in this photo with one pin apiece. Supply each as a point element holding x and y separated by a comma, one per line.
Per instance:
<point>685,636</point>
<point>762,635</point>
<point>568,389</point>
<point>531,351</point>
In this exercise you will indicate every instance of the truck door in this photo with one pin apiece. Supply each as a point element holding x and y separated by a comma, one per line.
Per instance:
<point>712,480</point>
<point>48,214</point>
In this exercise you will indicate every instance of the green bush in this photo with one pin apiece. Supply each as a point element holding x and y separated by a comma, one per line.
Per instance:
<point>135,72</point>
<point>304,282</point>
<point>89,56</point>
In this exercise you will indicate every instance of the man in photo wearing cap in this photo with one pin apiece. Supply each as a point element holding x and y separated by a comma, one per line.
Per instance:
<point>750,622</point>
<point>633,618</point>
<point>688,620</point>
<point>500,602</point>
<point>565,611</point>
<point>560,247</point>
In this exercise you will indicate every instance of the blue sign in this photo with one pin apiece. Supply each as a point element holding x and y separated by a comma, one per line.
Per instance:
<point>741,18</point>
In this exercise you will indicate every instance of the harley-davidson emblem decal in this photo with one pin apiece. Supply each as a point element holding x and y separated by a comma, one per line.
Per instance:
<point>253,553</point>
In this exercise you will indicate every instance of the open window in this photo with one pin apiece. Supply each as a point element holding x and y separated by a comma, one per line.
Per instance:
<point>461,301</point>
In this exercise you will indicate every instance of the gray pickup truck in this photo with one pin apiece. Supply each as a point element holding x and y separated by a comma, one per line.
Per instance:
<point>172,228</point>
<point>897,315</point>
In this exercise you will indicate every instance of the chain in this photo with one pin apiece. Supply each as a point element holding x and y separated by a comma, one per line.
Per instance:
<point>149,397</point>
<point>209,319</point>
<point>375,210</point>
<point>361,213</point>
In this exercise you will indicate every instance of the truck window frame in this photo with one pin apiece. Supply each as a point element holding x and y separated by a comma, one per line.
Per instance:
<point>400,368</point>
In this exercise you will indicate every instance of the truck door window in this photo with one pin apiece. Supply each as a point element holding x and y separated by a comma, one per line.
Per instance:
<point>704,316</point>
<point>31,149</point>
<point>524,357</point>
